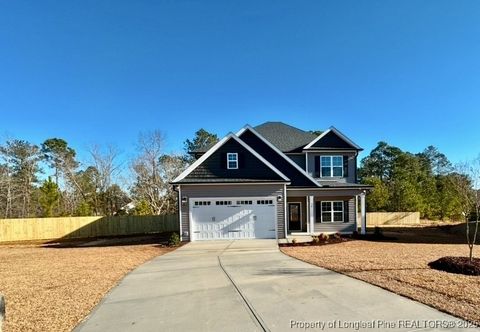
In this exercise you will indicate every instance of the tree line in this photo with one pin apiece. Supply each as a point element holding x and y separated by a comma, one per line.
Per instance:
<point>96,187</point>
<point>403,181</point>
<point>426,182</point>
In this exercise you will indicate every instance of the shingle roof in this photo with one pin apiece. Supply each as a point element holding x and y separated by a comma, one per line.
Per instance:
<point>335,184</point>
<point>285,137</point>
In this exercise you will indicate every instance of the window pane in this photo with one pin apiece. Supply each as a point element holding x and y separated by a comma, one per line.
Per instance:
<point>337,171</point>
<point>326,206</point>
<point>326,171</point>
<point>337,161</point>
<point>326,216</point>
<point>232,156</point>
<point>326,161</point>
<point>338,206</point>
<point>232,164</point>
<point>338,216</point>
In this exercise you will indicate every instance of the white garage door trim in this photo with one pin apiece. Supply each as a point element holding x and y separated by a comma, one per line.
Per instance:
<point>243,198</point>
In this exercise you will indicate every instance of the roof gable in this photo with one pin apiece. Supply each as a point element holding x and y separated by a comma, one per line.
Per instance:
<point>212,166</point>
<point>297,176</point>
<point>332,139</point>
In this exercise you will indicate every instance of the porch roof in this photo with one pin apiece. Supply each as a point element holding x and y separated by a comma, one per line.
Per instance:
<point>340,190</point>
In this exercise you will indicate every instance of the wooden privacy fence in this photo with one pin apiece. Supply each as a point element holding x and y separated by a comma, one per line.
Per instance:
<point>84,227</point>
<point>391,218</point>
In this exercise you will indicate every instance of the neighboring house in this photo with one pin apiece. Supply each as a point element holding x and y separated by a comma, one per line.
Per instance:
<point>271,181</point>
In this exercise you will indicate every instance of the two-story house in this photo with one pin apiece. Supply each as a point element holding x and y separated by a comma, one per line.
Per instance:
<point>271,181</point>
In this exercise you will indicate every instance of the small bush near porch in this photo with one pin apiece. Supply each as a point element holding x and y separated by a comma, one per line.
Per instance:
<point>400,264</point>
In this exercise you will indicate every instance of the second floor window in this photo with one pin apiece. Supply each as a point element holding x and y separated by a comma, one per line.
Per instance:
<point>232,160</point>
<point>331,166</point>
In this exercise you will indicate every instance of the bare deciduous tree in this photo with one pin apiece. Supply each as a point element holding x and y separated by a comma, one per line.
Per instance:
<point>466,183</point>
<point>153,171</point>
<point>148,183</point>
<point>171,166</point>
<point>105,161</point>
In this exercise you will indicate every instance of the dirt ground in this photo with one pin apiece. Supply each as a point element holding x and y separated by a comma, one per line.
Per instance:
<point>399,264</point>
<point>52,288</point>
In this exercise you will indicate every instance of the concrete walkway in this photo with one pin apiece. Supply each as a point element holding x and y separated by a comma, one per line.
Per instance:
<point>251,286</point>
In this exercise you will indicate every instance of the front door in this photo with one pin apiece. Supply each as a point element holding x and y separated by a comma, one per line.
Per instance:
<point>294,217</point>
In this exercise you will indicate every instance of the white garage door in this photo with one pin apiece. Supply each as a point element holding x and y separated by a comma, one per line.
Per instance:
<point>233,218</point>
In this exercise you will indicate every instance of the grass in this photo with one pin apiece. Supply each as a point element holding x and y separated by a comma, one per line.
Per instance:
<point>400,265</point>
<point>53,287</point>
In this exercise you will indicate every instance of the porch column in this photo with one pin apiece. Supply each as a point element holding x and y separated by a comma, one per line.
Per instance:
<point>364,214</point>
<point>311,213</point>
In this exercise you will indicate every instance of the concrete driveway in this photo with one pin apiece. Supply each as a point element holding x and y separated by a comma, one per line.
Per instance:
<point>249,285</point>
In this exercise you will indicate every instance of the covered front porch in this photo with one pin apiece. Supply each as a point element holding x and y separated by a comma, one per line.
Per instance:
<point>325,210</point>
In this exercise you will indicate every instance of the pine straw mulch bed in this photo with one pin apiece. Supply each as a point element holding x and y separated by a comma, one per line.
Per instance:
<point>53,287</point>
<point>401,266</point>
<point>460,265</point>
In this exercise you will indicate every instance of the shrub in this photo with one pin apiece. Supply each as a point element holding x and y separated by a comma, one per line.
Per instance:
<point>174,240</point>
<point>324,237</point>
<point>294,241</point>
<point>315,239</point>
<point>337,236</point>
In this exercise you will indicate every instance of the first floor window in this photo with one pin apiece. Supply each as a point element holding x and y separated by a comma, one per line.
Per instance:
<point>232,160</point>
<point>329,211</point>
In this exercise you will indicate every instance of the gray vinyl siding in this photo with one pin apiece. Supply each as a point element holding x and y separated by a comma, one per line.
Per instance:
<point>244,190</point>
<point>299,159</point>
<point>352,165</point>
<point>341,227</point>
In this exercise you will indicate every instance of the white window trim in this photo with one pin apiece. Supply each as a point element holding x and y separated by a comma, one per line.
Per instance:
<point>231,161</point>
<point>331,166</point>
<point>332,212</point>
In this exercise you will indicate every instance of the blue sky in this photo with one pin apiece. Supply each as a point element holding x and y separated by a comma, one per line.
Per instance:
<point>407,72</point>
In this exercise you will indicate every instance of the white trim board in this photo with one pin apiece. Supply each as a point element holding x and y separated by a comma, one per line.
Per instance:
<point>216,147</point>
<point>334,188</point>
<point>274,148</point>
<point>231,183</point>
<point>180,211</point>
<point>338,133</point>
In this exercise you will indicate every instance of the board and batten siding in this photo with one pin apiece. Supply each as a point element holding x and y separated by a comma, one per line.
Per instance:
<point>340,227</point>
<point>231,190</point>
<point>299,159</point>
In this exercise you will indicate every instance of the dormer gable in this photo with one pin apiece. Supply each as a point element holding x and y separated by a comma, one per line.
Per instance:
<point>332,139</point>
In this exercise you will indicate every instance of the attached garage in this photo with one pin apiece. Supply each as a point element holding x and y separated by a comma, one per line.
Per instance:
<point>231,192</point>
<point>233,218</point>
<point>233,211</point>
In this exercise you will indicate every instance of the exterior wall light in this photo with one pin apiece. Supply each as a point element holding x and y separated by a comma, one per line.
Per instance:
<point>184,200</point>
<point>279,198</point>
